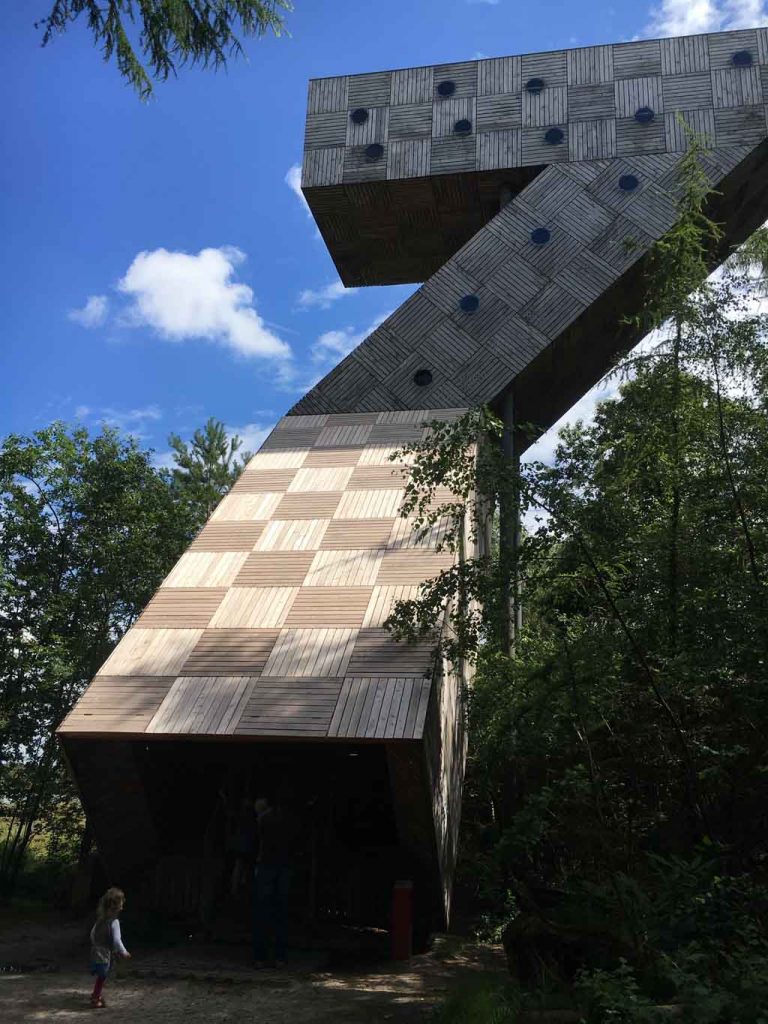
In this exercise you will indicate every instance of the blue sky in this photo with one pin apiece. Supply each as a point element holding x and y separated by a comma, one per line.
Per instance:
<point>158,265</point>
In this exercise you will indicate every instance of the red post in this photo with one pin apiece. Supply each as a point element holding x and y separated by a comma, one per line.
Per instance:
<point>402,920</point>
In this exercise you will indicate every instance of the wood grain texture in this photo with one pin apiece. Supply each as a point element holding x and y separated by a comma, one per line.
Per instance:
<point>254,607</point>
<point>151,652</point>
<point>228,652</point>
<point>324,607</point>
<point>311,652</point>
<point>182,608</point>
<point>273,569</point>
<point>202,705</point>
<point>117,704</point>
<point>432,196</point>
<point>239,536</point>
<point>206,569</point>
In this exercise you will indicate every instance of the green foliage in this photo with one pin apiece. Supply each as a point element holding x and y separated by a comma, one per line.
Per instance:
<point>170,33</point>
<point>88,529</point>
<point>206,467</point>
<point>614,822</point>
<point>486,999</point>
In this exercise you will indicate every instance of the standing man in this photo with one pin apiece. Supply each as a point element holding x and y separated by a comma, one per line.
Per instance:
<point>272,883</point>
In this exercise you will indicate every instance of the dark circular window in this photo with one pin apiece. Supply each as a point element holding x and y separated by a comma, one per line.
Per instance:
<point>469,303</point>
<point>644,115</point>
<point>540,236</point>
<point>742,59</point>
<point>446,88</point>
<point>374,152</point>
<point>463,127</point>
<point>554,136</point>
<point>422,377</point>
<point>628,182</point>
<point>359,116</point>
<point>534,86</point>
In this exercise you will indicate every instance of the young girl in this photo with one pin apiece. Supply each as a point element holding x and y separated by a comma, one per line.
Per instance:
<point>106,940</point>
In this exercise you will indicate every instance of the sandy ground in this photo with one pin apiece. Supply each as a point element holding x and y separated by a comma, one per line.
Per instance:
<point>43,978</point>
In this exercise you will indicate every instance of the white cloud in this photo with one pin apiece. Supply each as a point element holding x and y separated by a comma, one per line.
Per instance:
<point>323,298</point>
<point>686,17</point>
<point>332,346</point>
<point>251,434</point>
<point>293,181</point>
<point>93,314</point>
<point>127,421</point>
<point>184,297</point>
<point>163,460</point>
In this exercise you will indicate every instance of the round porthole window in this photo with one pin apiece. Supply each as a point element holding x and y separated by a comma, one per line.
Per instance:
<point>554,136</point>
<point>628,183</point>
<point>422,377</point>
<point>359,116</point>
<point>540,236</point>
<point>463,127</point>
<point>742,59</point>
<point>644,115</point>
<point>446,88</point>
<point>534,86</point>
<point>469,303</point>
<point>374,152</point>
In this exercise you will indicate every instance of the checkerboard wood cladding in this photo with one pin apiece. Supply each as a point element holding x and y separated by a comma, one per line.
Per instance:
<point>272,623</point>
<point>591,93</point>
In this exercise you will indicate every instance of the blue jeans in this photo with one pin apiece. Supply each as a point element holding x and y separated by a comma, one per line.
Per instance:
<point>272,886</point>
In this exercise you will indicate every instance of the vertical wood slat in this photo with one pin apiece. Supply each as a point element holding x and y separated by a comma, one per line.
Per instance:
<point>592,65</point>
<point>685,55</point>
<point>634,93</point>
<point>499,75</point>
<point>327,95</point>
<point>412,85</point>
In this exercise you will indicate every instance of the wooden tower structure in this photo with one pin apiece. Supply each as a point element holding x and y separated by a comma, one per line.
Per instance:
<point>525,192</point>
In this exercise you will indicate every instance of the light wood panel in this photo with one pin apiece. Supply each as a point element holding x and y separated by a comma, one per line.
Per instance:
<point>308,505</point>
<point>325,607</point>
<point>380,707</point>
<point>382,602</point>
<point>369,504</point>
<point>247,507</point>
<point>412,566</point>
<point>151,652</point>
<point>183,608</point>
<point>334,568</point>
<point>326,479</point>
<point>202,705</point>
<point>262,481</point>
<point>356,534</point>
<point>227,537</point>
<point>274,569</point>
<point>254,607</point>
<point>206,569</point>
<point>292,535</point>
<point>311,652</point>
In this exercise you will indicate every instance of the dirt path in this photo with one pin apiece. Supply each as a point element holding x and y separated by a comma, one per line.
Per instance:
<point>43,978</point>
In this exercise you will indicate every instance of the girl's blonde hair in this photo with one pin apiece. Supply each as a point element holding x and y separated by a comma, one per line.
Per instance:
<point>111,903</point>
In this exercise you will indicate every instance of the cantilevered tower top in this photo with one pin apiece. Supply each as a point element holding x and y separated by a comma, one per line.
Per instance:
<point>401,168</point>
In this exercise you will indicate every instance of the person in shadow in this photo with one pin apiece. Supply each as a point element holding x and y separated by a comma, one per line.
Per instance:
<point>272,882</point>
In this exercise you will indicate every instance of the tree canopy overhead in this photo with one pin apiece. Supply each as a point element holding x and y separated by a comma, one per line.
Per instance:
<point>152,39</point>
